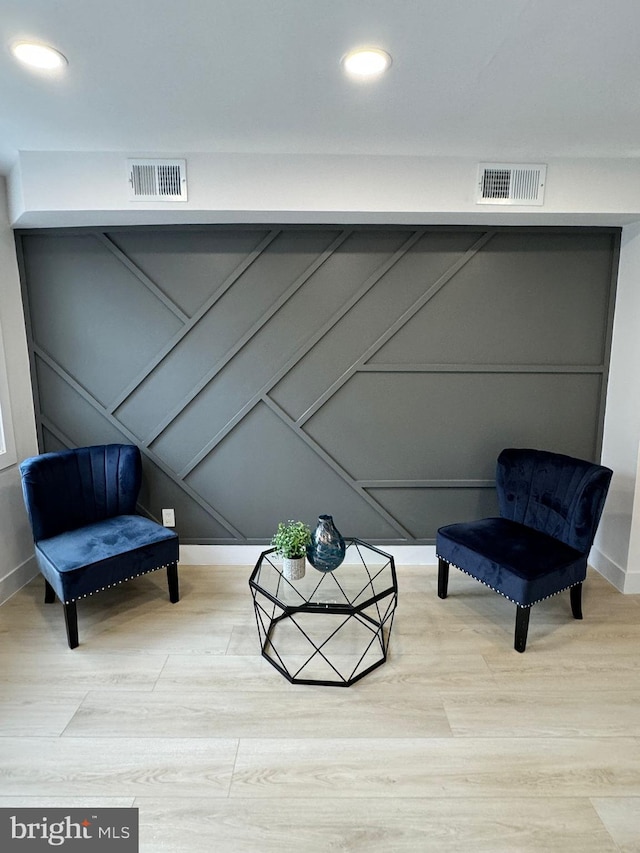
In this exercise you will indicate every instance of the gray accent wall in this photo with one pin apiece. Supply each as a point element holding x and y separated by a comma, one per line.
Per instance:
<point>373,373</point>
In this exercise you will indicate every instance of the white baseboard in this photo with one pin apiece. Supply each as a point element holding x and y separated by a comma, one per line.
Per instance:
<point>17,578</point>
<point>632,583</point>
<point>404,555</point>
<point>615,574</point>
<point>247,555</point>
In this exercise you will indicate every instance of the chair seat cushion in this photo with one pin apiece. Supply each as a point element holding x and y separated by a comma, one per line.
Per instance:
<point>515,560</point>
<point>80,562</point>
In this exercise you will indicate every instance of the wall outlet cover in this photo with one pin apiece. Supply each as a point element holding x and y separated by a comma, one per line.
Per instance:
<point>169,517</point>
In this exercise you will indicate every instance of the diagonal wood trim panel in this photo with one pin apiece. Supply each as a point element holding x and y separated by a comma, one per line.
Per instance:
<point>373,373</point>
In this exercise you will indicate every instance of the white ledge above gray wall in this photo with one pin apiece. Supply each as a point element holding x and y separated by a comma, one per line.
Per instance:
<point>69,189</point>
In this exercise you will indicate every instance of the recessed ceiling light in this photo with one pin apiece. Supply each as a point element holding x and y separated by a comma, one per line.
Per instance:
<point>37,55</point>
<point>366,62</point>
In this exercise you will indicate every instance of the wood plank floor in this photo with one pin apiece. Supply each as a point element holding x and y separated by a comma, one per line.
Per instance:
<point>457,743</point>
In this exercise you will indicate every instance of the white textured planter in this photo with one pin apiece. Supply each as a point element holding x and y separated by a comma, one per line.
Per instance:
<point>293,570</point>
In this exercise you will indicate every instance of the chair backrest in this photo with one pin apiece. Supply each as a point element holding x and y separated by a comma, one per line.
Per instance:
<point>71,488</point>
<point>553,493</point>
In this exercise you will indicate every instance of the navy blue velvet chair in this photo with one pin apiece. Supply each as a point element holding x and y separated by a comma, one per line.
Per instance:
<point>550,506</point>
<point>82,509</point>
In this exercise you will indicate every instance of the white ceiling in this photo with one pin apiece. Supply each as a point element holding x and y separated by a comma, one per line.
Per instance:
<point>516,80</point>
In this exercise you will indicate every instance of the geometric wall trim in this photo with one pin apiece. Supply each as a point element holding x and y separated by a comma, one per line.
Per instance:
<point>373,373</point>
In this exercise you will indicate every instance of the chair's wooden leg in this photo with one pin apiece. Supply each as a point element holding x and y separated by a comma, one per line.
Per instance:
<point>71,621</point>
<point>522,626</point>
<point>576,600</point>
<point>49,593</point>
<point>172,577</point>
<point>443,577</point>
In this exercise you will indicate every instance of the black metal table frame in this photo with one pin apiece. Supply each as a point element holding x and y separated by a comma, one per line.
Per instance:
<point>349,610</point>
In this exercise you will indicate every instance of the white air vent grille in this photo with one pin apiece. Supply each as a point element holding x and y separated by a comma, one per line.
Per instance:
<point>157,180</point>
<point>508,183</point>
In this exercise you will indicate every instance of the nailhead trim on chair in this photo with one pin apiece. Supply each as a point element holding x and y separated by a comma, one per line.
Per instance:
<point>102,589</point>
<point>484,583</point>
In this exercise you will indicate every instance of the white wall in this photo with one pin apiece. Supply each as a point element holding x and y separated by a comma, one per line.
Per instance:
<point>617,549</point>
<point>17,564</point>
<point>90,188</point>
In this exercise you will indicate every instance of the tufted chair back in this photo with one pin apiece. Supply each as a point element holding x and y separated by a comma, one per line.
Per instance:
<point>70,489</point>
<point>552,493</point>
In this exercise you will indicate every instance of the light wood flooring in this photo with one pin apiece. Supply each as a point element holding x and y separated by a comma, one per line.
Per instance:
<point>457,743</point>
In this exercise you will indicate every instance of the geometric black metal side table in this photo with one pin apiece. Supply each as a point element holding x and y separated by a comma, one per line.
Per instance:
<point>329,628</point>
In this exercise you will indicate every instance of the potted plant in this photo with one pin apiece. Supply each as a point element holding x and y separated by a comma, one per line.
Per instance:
<point>290,541</point>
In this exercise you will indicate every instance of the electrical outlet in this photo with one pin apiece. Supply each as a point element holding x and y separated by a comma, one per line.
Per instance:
<point>169,517</point>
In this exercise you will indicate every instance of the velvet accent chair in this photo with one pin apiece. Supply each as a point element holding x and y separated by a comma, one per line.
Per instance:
<point>550,506</point>
<point>81,505</point>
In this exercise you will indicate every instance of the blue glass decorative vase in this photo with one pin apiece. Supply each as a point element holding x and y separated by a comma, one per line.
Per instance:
<point>327,548</point>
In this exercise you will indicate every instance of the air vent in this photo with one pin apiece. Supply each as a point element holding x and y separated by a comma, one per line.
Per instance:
<point>157,180</point>
<point>508,183</point>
